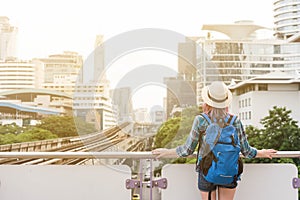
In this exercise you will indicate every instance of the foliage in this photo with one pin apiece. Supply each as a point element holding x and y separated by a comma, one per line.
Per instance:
<point>50,128</point>
<point>280,132</point>
<point>64,126</point>
<point>29,135</point>
<point>175,131</point>
<point>167,132</point>
<point>84,127</point>
<point>11,128</point>
<point>8,138</point>
<point>35,134</point>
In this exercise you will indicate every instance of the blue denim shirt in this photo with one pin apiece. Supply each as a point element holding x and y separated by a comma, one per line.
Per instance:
<point>200,124</point>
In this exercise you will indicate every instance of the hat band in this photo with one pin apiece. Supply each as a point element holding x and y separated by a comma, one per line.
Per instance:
<point>216,100</point>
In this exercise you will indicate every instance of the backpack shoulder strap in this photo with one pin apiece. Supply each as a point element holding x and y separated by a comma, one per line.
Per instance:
<point>206,117</point>
<point>200,140</point>
<point>230,119</point>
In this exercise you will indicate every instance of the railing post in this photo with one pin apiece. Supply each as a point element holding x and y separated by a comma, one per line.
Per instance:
<point>141,178</point>
<point>151,161</point>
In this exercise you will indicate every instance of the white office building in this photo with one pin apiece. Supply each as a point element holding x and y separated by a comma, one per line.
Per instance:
<point>92,103</point>
<point>17,74</point>
<point>253,98</point>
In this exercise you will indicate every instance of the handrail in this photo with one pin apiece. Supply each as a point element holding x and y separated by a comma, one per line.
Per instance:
<point>113,155</point>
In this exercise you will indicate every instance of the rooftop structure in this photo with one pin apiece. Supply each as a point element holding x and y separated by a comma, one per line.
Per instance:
<point>31,105</point>
<point>239,30</point>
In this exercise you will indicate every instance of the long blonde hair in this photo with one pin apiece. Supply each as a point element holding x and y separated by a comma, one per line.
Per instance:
<point>215,114</point>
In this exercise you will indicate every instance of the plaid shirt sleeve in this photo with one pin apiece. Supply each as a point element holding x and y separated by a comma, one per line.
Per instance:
<point>188,148</point>
<point>246,149</point>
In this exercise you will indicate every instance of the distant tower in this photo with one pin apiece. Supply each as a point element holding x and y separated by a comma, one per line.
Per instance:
<point>8,39</point>
<point>122,99</point>
<point>187,59</point>
<point>99,59</point>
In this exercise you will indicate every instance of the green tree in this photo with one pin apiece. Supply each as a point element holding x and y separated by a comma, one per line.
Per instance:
<point>8,138</point>
<point>167,132</point>
<point>64,126</point>
<point>175,131</point>
<point>35,134</point>
<point>280,131</point>
<point>11,128</point>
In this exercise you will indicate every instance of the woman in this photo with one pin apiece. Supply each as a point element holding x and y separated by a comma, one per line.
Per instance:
<point>217,98</point>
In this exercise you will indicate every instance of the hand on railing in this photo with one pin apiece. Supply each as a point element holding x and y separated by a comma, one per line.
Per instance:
<point>266,153</point>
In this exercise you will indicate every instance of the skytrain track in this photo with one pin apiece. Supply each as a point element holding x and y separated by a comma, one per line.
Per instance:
<point>89,143</point>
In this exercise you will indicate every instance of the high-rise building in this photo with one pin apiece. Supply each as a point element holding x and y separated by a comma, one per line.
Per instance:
<point>187,59</point>
<point>181,90</point>
<point>61,71</point>
<point>99,71</point>
<point>180,93</point>
<point>122,99</point>
<point>8,39</point>
<point>286,18</point>
<point>93,103</point>
<point>242,58</point>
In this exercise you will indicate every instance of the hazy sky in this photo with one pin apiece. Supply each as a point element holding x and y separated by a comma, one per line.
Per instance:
<point>53,26</point>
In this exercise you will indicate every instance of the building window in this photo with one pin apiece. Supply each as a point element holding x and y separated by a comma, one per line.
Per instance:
<point>246,102</point>
<point>242,103</point>
<point>249,102</point>
<point>262,87</point>
<point>249,115</point>
<point>242,115</point>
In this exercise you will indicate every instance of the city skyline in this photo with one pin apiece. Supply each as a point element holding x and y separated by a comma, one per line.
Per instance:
<point>51,27</point>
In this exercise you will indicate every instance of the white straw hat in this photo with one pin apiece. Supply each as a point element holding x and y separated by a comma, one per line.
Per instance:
<point>217,95</point>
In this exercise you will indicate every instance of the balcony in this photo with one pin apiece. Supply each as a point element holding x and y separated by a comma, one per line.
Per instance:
<point>94,181</point>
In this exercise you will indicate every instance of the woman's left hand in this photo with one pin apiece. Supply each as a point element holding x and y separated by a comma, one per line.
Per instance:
<point>163,152</point>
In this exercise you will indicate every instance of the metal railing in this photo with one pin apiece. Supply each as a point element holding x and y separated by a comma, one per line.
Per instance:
<point>113,155</point>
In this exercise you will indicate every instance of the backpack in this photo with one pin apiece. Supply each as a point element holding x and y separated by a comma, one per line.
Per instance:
<point>219,152</point>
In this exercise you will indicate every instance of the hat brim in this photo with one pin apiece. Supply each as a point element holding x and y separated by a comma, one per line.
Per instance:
<point>214,104</point>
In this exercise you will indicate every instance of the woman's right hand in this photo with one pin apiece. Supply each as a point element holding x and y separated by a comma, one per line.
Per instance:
<point>266,153</point>
<point>163,152</point>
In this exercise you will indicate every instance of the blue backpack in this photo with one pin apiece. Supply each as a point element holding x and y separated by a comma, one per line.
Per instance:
<point>218,158</point>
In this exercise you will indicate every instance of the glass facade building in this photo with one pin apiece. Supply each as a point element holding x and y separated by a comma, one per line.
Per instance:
<point>228,60</point>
